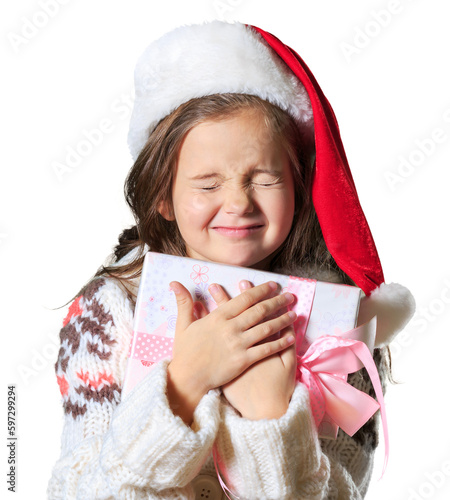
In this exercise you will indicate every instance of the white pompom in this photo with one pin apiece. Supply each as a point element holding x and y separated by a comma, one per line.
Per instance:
<point>394,306</point>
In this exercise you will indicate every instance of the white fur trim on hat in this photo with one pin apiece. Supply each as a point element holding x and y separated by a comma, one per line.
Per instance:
<point>210,58</point>
<point>394,306</point>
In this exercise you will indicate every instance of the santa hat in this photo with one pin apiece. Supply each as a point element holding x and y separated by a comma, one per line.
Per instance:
<point>219,57</point>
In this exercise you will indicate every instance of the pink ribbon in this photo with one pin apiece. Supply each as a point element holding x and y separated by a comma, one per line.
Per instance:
<point>225,488</point>
<point>324,369</point>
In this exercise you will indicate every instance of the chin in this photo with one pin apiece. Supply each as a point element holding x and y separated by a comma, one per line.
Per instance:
<point>259,262</point>
<point>236,257</point>
<point>234,260</point>
<point>237,262</point>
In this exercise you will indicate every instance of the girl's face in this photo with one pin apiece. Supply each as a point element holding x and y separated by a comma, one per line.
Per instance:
<point>233,193</point>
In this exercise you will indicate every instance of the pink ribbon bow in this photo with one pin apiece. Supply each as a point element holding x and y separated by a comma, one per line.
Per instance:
<point>324,368</point>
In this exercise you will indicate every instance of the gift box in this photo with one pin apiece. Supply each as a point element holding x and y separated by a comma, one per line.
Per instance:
<point>322,308</point>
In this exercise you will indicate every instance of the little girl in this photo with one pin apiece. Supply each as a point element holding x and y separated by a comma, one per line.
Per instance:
<point>238,160</point>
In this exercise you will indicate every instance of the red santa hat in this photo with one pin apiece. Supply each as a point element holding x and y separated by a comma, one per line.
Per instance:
<point>219,57</point>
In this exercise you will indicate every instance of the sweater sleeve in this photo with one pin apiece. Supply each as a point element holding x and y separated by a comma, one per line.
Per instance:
<point>114,448</point>
<point>283,458</point>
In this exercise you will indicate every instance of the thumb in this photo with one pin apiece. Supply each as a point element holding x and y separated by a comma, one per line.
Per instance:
<point>185,305</point>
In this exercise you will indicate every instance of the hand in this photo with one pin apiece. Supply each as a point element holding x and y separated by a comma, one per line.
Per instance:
<point>265,388</point>
<point>212,350</point>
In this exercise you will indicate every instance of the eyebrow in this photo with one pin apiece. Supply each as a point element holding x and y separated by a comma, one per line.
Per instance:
<point>202,177</point>
<point>266,171</point>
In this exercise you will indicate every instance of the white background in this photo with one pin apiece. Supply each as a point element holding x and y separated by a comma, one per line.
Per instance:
<point>76,69</point>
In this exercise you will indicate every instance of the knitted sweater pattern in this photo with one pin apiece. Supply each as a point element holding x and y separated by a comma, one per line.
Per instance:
<point>136,448</point>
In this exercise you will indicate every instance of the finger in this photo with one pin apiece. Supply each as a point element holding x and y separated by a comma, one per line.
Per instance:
<point>245,285</point>
<point>218,294</point>
<point>264,310</point>
<point>247,299</point>
<point>262,351</point>
<point>185,305</point>
<point>269,328</point>
<point>200,310</point>
<point>289,356</point>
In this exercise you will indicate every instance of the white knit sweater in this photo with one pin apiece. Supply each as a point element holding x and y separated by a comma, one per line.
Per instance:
<point>135,448</point>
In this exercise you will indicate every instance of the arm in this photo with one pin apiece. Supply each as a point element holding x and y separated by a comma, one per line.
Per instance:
<point>114,448</point>
<point>284,458</point>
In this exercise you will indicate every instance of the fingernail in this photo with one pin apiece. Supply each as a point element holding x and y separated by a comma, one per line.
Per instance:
<point>290,339</point>
<point>174,289</point>
<point>213,289</point>
<point>244,285</point>
<point>289,296</point>
<point>292,314</point>
<point>273,285</point>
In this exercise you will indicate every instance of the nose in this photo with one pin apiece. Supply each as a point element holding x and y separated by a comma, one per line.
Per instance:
<point>238,201</point>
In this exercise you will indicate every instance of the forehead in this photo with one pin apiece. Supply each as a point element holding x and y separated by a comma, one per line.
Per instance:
<point>237,141</point>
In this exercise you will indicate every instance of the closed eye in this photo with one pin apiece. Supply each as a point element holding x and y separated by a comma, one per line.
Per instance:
<point>268,184</point>
<point>265,179</point>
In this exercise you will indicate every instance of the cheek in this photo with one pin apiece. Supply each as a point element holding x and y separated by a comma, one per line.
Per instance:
<point>282,215</point>
<point>193,203</point>
<point>195,208</point>
<point>282,206</point>
<point>198,204</point>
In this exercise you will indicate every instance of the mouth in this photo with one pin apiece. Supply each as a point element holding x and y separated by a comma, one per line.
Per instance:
<point>238,231</point>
